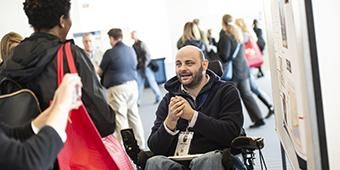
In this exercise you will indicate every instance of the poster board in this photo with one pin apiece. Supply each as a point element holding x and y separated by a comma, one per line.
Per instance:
<point>295,81</point>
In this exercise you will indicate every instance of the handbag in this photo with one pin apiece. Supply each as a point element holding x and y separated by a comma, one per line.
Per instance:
<point>153,66</point>
<point>18,105</point>
<point>84,148</point>
<point>252,54</point>
<point>228,67</point>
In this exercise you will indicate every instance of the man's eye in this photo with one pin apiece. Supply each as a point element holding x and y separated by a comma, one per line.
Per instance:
<point>189,63</point>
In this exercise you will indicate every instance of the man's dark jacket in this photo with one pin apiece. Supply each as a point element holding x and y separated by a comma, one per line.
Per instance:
<point>33,64</point>
<point>219,120</point>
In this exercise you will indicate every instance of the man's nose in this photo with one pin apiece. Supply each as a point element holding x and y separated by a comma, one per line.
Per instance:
<point>182,67</point>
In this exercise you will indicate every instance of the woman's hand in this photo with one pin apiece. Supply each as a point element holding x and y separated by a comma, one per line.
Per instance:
<point>68,94</point>
<point>66,98</point>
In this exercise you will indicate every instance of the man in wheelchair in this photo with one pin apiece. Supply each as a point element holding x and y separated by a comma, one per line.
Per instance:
<point>198,117</point>
<point>197,122</point>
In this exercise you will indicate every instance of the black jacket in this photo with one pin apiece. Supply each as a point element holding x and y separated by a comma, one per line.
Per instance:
<point>226,47</point>
<point>143,55</point>
<point>21,149</point>
<point>33,65</point>
<point>260,40</point>
<point>219,120</point>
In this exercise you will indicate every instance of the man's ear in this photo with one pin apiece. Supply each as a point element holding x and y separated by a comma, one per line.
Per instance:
<point>62,21</point>
<point>205,64</point>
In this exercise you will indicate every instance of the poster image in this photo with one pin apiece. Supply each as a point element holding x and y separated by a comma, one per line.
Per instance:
<point>283,24</point>
<point>288,66</point>
<point>284,107</point>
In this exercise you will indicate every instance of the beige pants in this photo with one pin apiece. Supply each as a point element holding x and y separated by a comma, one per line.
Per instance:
<point>123,100</point>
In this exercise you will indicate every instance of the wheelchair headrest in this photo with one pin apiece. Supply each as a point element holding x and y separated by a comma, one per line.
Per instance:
<point>216,67</point>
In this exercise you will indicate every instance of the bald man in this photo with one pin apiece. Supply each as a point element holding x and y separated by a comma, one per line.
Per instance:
<point>199,115</point>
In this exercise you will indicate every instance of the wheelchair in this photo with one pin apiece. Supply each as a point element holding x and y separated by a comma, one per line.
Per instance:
<point>243,145</point>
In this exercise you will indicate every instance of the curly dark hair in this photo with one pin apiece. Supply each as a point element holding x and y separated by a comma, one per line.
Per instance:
<point>45,14</point>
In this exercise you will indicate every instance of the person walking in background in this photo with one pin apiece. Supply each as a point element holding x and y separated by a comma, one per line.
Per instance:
<point>203,37</point>
<point>253,85</point>
<point>118,74</point>
<point>260,42</point>
<point>8,42</point>
<point>212,45</point>
<point>144,72</point>
<point>191,36</point>
<point>230,39</point>
<point>94,54</point>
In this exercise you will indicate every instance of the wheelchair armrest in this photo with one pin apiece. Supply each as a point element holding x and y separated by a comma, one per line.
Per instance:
<point>250,143</point>
<point>142,157</point>
<point>130,144</point>
<point>138,156</point>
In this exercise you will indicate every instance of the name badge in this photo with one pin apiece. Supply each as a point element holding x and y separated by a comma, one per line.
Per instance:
<point>183,144</point>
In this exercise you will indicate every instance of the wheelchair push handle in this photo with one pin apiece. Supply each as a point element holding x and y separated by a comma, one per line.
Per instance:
<point>251,143</point>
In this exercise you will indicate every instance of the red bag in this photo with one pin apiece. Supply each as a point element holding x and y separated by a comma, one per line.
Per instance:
<point>252,54</point>
<point>84,148</point>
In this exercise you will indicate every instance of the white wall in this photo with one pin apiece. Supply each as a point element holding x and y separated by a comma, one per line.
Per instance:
<point>89,15</point>
<point>327,26</point>
<point>13,18</point>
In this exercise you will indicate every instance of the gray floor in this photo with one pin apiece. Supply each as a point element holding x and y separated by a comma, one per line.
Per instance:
<point>271,151</point>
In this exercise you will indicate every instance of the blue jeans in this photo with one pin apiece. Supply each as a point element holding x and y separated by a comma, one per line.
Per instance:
<point>150,76</point>
<point>253,85</point>
<point>209,160</point>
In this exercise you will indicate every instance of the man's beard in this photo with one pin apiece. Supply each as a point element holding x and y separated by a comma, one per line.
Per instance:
<point>196,78</point>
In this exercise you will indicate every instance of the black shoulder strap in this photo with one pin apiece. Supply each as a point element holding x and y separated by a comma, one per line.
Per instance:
<point>8,85</point>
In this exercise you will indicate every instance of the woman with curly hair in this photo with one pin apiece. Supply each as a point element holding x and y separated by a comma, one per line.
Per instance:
<point>34,60</point>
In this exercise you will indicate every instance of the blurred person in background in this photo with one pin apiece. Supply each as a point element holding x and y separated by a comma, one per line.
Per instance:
<point>8,42</point>
<point>94,54</point>
<point>191,36</point>
<point>212,45</point>
<point>230,39</point>
<point>253,85</point>
<point>144,72</point>
<point>119,75</point>
<point>203,36</point>
<point>260,42</point>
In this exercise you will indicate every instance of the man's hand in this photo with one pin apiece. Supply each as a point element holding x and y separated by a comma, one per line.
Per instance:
<point>188,112</point>
<point>175,112</point>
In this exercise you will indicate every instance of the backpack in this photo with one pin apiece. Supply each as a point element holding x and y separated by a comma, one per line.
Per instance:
<point>18,105</point>
<point>141,55</point>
